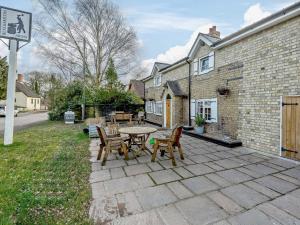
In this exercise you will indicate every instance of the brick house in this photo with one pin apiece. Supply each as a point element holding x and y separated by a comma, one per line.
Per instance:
<point>240,84</point>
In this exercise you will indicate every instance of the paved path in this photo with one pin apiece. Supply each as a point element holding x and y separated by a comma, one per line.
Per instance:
<point>25,120</point>
<point>214,185</point>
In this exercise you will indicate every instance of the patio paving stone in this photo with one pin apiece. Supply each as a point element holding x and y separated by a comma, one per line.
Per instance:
<point>100,175</point>
<point>287,178</point>
<point>295,173</point>
<point>183,172</point>
<point>155,196</point>
<point>276,184</point>
<point>244,196</point>
<point>200,209</point>
<point>154,166</point>
<point>262,189</point>
<point>262,169</point>
<point>252,217</point>
<point>179,190</point>
<point>136,169</point>
<point>128,204</point>
<point>214,166</point>
<point>199,185</point>
<point>228,163</point>
<point>164,176</point>
<point>200,158</point>
<point>289,203</point>
<point>114,163</point>
<point>234,176</point>
<point>171,216</point>
<point>199,169</point>
<point>283,162</point>
<point>277,214</point>
<point>150,218</point>
<point>224,202</point>
<point>117,173</point>
<point>218,180</point>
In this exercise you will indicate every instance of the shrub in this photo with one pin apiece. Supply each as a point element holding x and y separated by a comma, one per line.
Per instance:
<point>199,120</point>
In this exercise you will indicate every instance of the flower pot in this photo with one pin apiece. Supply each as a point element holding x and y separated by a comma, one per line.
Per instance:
<point>199,130</point>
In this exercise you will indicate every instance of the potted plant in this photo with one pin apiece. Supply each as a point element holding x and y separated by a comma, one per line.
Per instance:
<point>199,121</point>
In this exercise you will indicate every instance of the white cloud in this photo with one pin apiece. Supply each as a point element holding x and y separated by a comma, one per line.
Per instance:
<point>177,52</point>
<point>255,13</point>
<point>154,19</point>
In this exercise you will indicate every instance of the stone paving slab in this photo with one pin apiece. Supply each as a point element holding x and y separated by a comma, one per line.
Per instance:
<point>153,197</point>
<point>234,176</point>
<point>199,169</point>
<point>164,176</point>
<point>199,185</point>
<point>136,169</point>
<point>214,185</point>
<point>244,196</point>
<point>253,217</point>
<point>200,210</point>
<point>276,184</point>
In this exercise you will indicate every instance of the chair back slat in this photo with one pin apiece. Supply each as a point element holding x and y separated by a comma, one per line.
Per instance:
<point>176,135</point>
<point>102,135</point>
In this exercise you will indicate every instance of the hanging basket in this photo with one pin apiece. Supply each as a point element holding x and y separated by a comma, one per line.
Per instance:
<point>224,91</point>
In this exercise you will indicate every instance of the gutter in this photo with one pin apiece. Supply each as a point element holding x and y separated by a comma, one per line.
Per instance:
<point>189,94</point>
<point>272,20</point>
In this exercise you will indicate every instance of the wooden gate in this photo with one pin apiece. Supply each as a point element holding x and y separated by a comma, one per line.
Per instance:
<point>291,127</point>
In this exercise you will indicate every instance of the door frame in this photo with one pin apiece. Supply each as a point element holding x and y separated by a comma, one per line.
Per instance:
<point>281,100</point>
<point>165,111</point>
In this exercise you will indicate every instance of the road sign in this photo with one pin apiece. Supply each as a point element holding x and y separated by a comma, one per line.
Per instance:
<point>15,24</point>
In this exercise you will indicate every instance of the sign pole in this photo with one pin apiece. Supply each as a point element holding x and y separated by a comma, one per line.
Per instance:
<point>10,96</point>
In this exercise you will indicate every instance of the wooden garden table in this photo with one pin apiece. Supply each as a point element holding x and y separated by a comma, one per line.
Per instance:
<point>138,133</point>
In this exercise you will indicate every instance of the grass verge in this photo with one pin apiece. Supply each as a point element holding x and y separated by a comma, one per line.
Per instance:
<point>44,176</point>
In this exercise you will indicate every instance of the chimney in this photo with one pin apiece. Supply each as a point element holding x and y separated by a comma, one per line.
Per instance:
<point>20,78</point>
<point>213,32</point>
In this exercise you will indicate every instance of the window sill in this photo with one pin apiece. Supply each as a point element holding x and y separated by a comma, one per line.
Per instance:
<point>206,71</point>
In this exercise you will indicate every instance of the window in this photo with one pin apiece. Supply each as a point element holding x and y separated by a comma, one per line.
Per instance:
<point>205,107</point>
<point>32,101</point>
<point>195,67</point>
<point>150,107</point>
<point>157,80</point>
<point>38,102</point>
<point>158,108</point>
<point>206,64</point>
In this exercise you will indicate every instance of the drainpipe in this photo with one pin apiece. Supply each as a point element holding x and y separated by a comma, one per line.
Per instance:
<point>189,94</point>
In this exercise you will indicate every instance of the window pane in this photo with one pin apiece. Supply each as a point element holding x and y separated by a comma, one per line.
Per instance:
<point>205,64</point>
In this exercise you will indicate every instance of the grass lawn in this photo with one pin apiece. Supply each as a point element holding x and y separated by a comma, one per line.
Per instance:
<point>44,176</point>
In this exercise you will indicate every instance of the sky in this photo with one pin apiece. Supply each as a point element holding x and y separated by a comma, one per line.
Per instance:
<point>165,29</point>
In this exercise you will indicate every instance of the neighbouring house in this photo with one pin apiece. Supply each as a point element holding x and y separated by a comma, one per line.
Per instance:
<point>26,98</point>
<point>246,85</point>
<point>137,87</point>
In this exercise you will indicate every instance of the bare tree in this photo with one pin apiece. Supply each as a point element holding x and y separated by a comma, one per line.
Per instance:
<point>87,33</point>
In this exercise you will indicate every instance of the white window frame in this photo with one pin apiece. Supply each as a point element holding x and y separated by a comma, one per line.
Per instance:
<point>195,67</point>
<point>156,108</point>
<point>149,106</point>
<point>213,107</point>
<point>157,80</point>
<point>211,63</point>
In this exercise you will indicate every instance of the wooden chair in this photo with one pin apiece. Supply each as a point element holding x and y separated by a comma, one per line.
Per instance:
<point>110,143</point>
<point>141,117</point>
<point>169,142</point>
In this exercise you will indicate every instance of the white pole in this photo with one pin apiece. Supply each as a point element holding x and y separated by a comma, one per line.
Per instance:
<point>10,96</point>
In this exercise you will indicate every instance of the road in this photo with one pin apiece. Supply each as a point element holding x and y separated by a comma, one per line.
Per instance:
<point>25,120</point>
